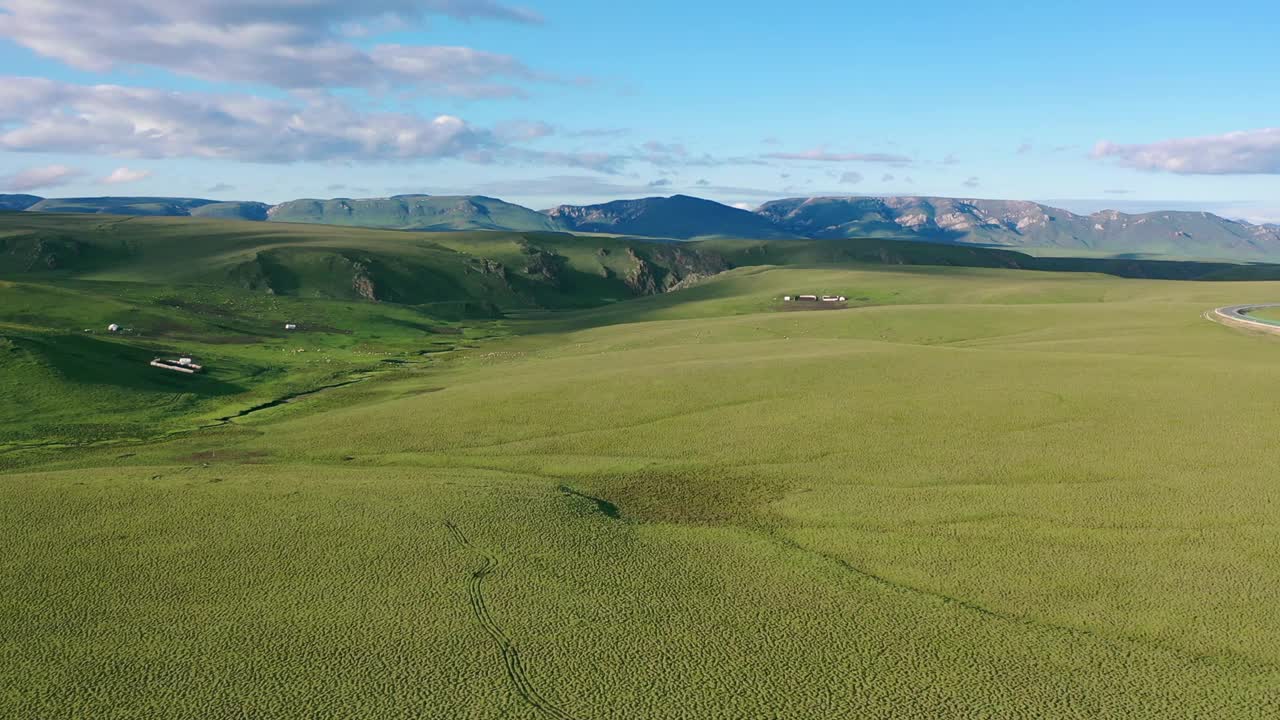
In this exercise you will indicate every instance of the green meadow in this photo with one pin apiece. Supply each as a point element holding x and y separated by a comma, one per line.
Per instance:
<point>970,493</point>
<point>1271,314</point>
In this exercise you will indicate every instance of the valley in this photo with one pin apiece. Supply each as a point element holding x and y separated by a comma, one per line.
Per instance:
<point>561,490</point>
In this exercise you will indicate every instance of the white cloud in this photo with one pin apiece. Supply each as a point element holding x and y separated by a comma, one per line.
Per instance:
<point>821,155</point>
<point>39,115</point>
<point>583,187</point>
<point>125,175</point>
<point>1248,152</point>
<point>972,182</point>
<point>851,178</point>
<point>524,130</point>
<point>292,44</point>
<point>660,148</point>
<point>39,177</point>
<point>599,133</point>
<point>558,186</point>
<point>669,155</point>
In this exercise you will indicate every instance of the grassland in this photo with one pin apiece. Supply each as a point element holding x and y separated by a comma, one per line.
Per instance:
<point>67,380</point>
<point>975,493</point>
<point>1270,314</point>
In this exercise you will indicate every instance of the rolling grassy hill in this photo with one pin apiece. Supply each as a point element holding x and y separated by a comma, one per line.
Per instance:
<point>158,206</point>
<point>17,202</point>
<point>415,212</point>
<point>501,269</point>
<point>490,270</point>
<point>224,290</point>
<point>985,492</point>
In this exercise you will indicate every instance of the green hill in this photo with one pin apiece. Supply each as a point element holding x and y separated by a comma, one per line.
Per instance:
<point>678,216</point>
<point>17,202</point>
<point>232,210</point>
<point>142,206</point>
<point>415,212</point>
<point>154,206</point>
<point>492,269</point>
<point>485,269</point>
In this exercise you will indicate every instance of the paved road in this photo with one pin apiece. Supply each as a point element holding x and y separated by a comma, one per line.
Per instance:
<point>1238,316</point>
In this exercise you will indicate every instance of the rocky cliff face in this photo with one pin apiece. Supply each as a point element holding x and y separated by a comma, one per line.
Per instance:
<point>838,217</point>
<point>1012,223</point>
<point>660,269</point>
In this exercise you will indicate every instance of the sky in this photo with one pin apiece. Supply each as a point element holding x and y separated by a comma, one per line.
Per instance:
<point>1124,105</point>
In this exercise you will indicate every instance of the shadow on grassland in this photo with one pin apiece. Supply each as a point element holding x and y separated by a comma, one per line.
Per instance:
<point>86,360</point>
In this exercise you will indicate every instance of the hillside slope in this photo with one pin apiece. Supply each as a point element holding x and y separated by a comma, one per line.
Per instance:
<point>986,494</point>
<point>678,216</point>
<point>151,206</point>
<point>483,270</point>
<point>477,271</point>
<point>17,202</point>
<point>415,212</point>
<point>232,211</point>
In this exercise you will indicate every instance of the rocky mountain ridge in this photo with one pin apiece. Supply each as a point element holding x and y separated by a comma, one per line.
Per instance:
<point>962,221</point>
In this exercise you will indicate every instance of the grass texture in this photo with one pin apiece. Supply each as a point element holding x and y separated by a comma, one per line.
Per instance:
<point>972,494</point>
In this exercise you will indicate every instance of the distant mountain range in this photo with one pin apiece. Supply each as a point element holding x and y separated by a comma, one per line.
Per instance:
<point>415,212</point>
<point>999,223</point>
<point>679,216</point>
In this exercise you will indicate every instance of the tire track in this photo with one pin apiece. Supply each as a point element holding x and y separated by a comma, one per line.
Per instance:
<point>514,666</point>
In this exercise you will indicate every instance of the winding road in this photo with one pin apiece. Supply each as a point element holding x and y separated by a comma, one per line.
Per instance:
<point>1238,316</point>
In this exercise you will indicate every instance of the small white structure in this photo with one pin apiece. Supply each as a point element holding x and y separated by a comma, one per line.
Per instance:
<point>113,328</point>
<point>182,365</point>
<point>834,298</point>
<point>290,326</point>
<point>786,298</point>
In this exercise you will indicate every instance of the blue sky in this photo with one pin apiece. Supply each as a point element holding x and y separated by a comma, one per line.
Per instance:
<point>551,101</point>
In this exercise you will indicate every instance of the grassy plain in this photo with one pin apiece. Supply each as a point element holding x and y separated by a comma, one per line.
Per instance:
<point>975,494</point>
